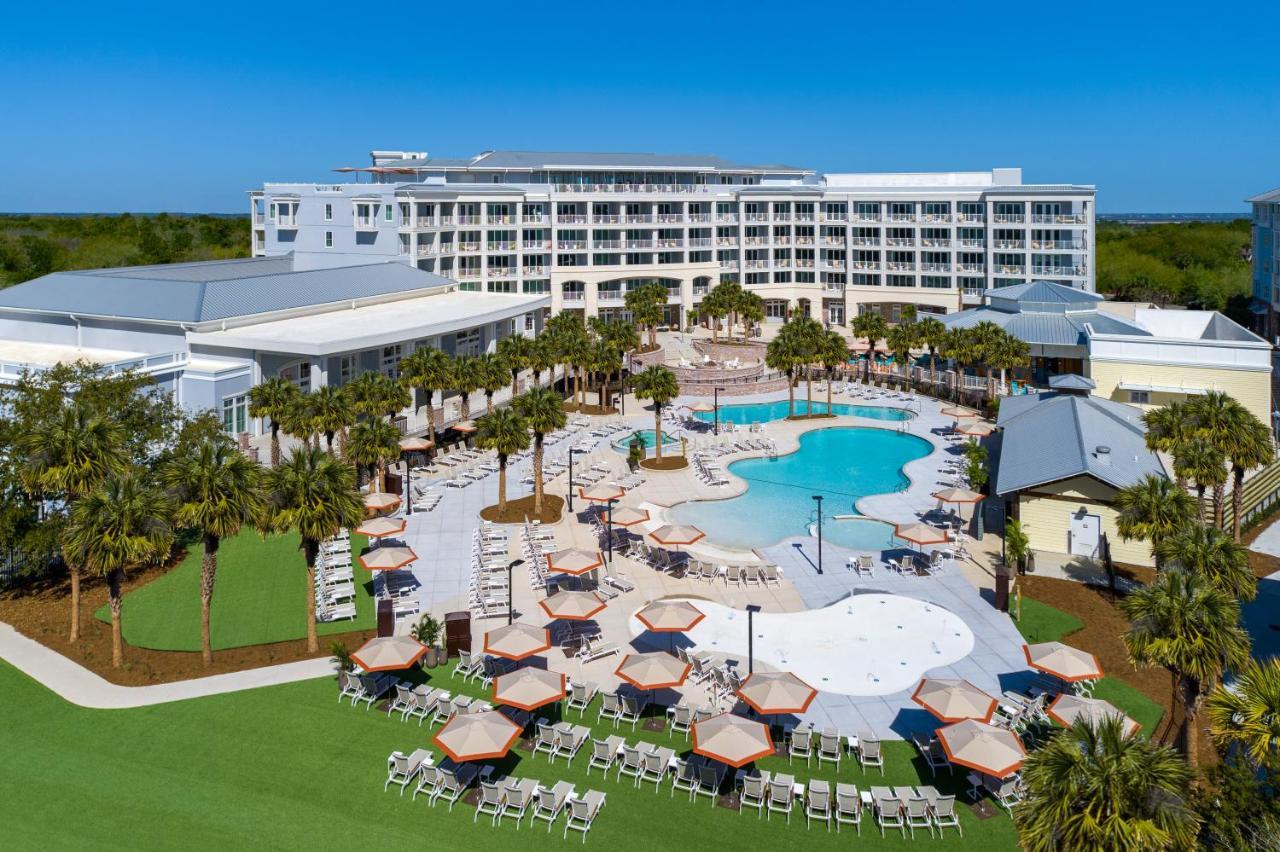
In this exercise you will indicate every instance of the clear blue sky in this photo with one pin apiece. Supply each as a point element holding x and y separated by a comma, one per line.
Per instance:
<point>183,107</point>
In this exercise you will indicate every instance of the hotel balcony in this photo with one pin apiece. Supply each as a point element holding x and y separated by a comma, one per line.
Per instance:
<point>726,242</point>
<point>864,241</point>
<point>536,245</point>
<point>468,247</point>
<point>606,244</point>
<point>637,218</point>
<point>1009,218</point>
<point>423,251</point>
<point>726,217</point>
<point>976,218</point>
<point>782,240</point>
<point>757,264</point>
<point>701,289</point>
<point>971,267</point>
<point>502,246</point>
<point>633,244</point>
<point>424,222</point>
<point>1058,271</point>
<point>446,220</point>
<point>971,243</point>
<point>864,264</point>
<point>670,243</point>
<point>535,219</point>
<point>1009,244</point>
<point>699,217</point>
<point>899,241</point>
<point>468,274</point>
<point>468,219</point>
<point>782,217</point>
<point>572,219</point>
<point>571,245</point>
<point>901,217</point>
<point>833,265</point>
<point>756,217</point>
<point>1010,269</point>
<point>935,267</point>
<point>833,241</point>
<point>833,217</point>
<point>670,218</point>
<point>935,217</point>
<point>931,241</point>
<point>804,217</point>
<point>833,287</point>
<point>573,296</point>
<point>610,296</point>
<point>754,241</point>
<point>900,266</point>
<point>502,272</point>
<point>529,271</point>
<point>700,242</point>
<point>1059,219</point>
<point>804,262</point>
<point>728,264</point>
<point>866,217</point>
<point>502,219</point>
<point>606,219</point>
<point>446,248</point>
<point>362,223</point>
<point>1056,245</point>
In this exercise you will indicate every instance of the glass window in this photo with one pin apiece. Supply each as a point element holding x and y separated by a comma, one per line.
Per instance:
<point>235,414</point>
<point>328,212</point>
<point>389,212</point>
<point>328,239</point>
<point>1140,397</point>
<point>391,361</point>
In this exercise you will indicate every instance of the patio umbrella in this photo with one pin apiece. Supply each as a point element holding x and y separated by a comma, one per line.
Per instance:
<point>676,534</point>
<point>575,561</point>
<point>670,616</point>
<point>602,492</point>
<point>415,445</point>
<point>380,501</point>
<point>387,558</point>
<point>381,527</point>
<point>954,700</point>
<point>465,426</point>
<point>701,405</point>
<point>652,670</point>
<point>957,411</point>
<point>771,693</point>
<point>517,641</point>
<point>627,516</point>
<point>996,751</point>
<point>1067,708</point>
<point>976,430</point>
<point>920,534</point>
<point>1062,661</point>
<point>388,653</point>
<point>731,739</point>
<point>528,688</point>
<point>958,495</point>
<point>572,606</point>
<point>487,735</point>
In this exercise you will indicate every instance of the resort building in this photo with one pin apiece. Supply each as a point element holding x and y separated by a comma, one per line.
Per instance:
<point>207,332</point>
<point>1266,263</point>
<point>1136,354</point>
<point>584,228</point>
<point>1064,498</point>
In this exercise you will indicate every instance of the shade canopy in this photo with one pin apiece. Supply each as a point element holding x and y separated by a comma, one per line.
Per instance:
<point>996,751</point>
<point>415,445</point>
<point>776,692</point>
<point>575,561</point>
<point>652,670</point>
<point>957,495</point>
<point>700,405</point>
<point>670,616</point>
<point>380,501</point>
<point>487,735</point>
<point>528,688</point>
<point>1063,661</point>
<point>676,534</point>
<point>918,533</point>
<point>517,641</point>
<point>1067,708</point>
<point>601,492</point>
<point>572,606</point>
<point>731,739</point>
<point>465,426</point>
<point>388,653</point>
<point>954,700</point>
<point>957,411</point>
<point>381,527</point>
<point>626,516</point>
<point>976,430</point>
<point>387,558</point>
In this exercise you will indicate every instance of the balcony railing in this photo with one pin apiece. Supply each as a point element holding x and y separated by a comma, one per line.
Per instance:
<point>535,245</point>
<point>535,218</point>
<point>606,218</point>
<point>933,241</point>
<point>899,241</point>
<point>726,217</point>
<point>804,262</point>
<point>935,267</point>
<point>502,246</point>
<point>502,272</point>
<point>502,219</point>
<point>754,241</point>
<point>668,218</point>
<point>866,217</point>
<point>901,217</point>
<point>535,270</point>
<point>781,240</point>
<point>468,247</point>
<point>864,264</point>
<point>637,244</point>
<point>935,217</point>
<point>571,245</point>
<point>900,266</point>
<point>726,241</point>
<point>670,243</point>
<point>1059,271</point>
<point>834,216</point>
<point>757,264</point>
<point>1056,245</point>
<point>1059,219</point>
<point>864,241</point>
<point>610,295</point>
<point>1010,269</point>
<point>469,273</point>
<point>970,217</point>
<point>362,224</point>
<point>1010,244</point>
<point>573,296</point>
<point>804,217</point>
<point>699,217</point>
<point>1009,218</point>
<point>468,219</point>
<point>446,248</point>
<point>728,264</point>
<point>970,243</point>
<point>423,251</point>
<point>756,217</point>
<point>699,242</point>
<point>971,267</point>
<point>833,241</point>
<point>637,218</point>
<point>606,244</point>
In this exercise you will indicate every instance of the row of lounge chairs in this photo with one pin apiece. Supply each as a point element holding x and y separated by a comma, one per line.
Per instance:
<point>489,593</point>
<point>335,588</point>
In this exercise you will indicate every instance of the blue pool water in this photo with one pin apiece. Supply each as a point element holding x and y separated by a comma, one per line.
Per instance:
<point>1261,618</point>
<point>623,444</point>
<point>762,412</point>
<point>841,464</point>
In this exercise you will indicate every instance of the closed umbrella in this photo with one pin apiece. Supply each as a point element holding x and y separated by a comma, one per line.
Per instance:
<point>731,739</point>
<point>652,670</point>
<point>575,561</point>
<point>528,688</point>
<point>1062,661</point>
<point>517,641</point>
<point>771,693</point>
<point>388,653</point>
<point>996,751</point>
<point>387,558</point>
<point>601,492</point>
<point>381,527</point>
<point>487,735</point>
<point>572,606</point>
<point>954,700</point>
<point>1067,708</point>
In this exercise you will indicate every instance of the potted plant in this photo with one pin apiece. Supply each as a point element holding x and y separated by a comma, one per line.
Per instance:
<point>1016,545</point>
<point>427,631</point>
<point>341,657</point>
<point>635,452</point>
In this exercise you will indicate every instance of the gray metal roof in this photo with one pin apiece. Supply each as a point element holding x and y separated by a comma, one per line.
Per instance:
<point>213,290</point>
<point>1265,198</point>
<point>1070,381</point>
<point>1043,296</point>
<point>1078,428</point>
<point>1044,329</point>
<point>544,160</point>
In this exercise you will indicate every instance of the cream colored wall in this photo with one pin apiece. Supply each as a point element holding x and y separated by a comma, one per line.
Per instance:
<point>1046,517</point>
<point>1251,388</point>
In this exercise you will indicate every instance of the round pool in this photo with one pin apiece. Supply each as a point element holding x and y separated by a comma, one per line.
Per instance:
<point>623,444</point>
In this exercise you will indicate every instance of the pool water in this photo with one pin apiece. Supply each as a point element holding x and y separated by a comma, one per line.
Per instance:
<point>842,464</point>
<point>762,412</point>
<point>623,444</point>
<point>1261,618</point>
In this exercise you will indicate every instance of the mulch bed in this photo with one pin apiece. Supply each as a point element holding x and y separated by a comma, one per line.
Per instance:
<point>665,463</point>
<point>43,612</point>
<point>520,511</point>
<point>594,410</point>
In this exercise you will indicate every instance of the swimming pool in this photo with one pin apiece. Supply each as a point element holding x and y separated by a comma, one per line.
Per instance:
<point>623,444</point>
<point>842,464</point>
<point>762,412</point>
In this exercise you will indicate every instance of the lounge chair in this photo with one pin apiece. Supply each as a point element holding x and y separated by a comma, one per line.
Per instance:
<point>755,793</point>
<point>769,574</point>
<point>610,707</point>
<point>547,741</point>
<point>348,686</point>
<point>1007,794</point>
<point>869,753</point>
<point>454,781</point>
<point>801,745</point>
<point>517,797</point>
<point>581,695</point>
<point>780,797</point>
<point>917,815</point>
<point>548,804</point>
<point>401,702</point>
<point>817,803</point>
<point>654,768</point>
<point>682,720</point>
<point>372,688</point>
<point>632,710</point>
<point>848,807</point>
<point>944,814</point>
<point>467,665</point>
<point>685,777</point>
<point>708,783</point>
<point>420,706</point>
<point>570,742</point>
<point>428,783</point>
<point>829,749</point>
<point>931,751</point>
<point>582,812</point>
<point>631,765</point>
<point>888,813</point>
<point>403,769</point>
<point>491,802</point>
<point>604,753</point>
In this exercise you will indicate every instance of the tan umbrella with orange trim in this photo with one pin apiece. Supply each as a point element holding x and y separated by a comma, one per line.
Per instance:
<point>387,558</point>
<point>701,405</point>
<point>415,445</point>
<point>976,430</point>
<point>958,412</point>
<point>381,527</point>
<point>487,735</point>
<point>652,670</point>
<point>388,653</point>
<point>575,561</point>
<point>1062,661</point>
<point>732,740</point>
<point>953,700</point>
<point>771,693</point>
<point>996,751</point>
<point>465,426</point>
<point>517,641</point>
<point>572,606</point>
<point>528,688</point>
<point>1067,708</point>
<point>601,492</point>
<point>676,534</point>
<point>920,534</point>
<point>380,501</point>
<point>628,516</point>
<point>958,495</point>
<point>669,616</point>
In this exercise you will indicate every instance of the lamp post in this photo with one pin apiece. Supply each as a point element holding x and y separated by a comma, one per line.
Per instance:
<point>818,499</point>
<point>571,480</point>
<point>511,565</point>
<point>752,609</point>
<point>715,393</point>
<point>608,528</point>
<point>408,488</point>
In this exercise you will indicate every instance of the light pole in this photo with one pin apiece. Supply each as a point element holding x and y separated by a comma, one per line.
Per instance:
<point>571,480</point>
<point>715,393</point>
<point>511,565</point>
<point>752,609</point>
<point>408,488</point>
<point>608,527</point>
<point>818,499</point>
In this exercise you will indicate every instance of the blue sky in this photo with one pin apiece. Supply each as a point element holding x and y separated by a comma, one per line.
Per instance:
<point>1166,108</point>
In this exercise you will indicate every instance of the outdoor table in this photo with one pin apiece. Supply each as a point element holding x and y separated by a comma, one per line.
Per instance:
<point>851,743</point>
<point>797,788</point>
<point>868,801</point>
<point>421,756</point>
<point>975,785</point>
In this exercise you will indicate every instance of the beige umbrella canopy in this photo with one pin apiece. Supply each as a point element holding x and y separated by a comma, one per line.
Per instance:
<point>387,558</point>
<point>670,616</point>
<point>380,501</point>
<point>528,688</point>
<point>731,739</point>
<point>572,606</point>
<point>996,751</point>
<point>652,670</point>
<point>676,534</point>
<point>701,405</point>
<point>958,411</point>
<point>388,653</point>
<point>601,492</point>
<point>415,445</point>
<point>1063,661</point>
<point>488,735</point>
<point>957,495</point>
<point>575,561</point>
<point>954,700</point>
<point>517,641</point>
<point>1067,708</point>
<point>768,693</point>
<point>465,426</point>
<point>627,516</point>
<point>921,534</point>
<point>380,527</point>
<point>976,430</point>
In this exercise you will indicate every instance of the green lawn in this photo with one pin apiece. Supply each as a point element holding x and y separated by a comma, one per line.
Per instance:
<point>260,597</point>
<point>1042,623</point>
<point>289,768</point>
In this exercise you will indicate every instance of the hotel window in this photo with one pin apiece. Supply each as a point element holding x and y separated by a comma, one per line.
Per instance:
<point>346,369</point>
<point>328,239</point>
<point>390,364</point>
<point>1140,397</point>
<point>298,374</point>
<point>389,213</point>
<point>235,414</point>
<point>273,212</point>
<point>467,342</point>
<point>328,212</point>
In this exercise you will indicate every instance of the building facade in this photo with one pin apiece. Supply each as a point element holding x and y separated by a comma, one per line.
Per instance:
<point>1266,272</point>
<point>584,228</point>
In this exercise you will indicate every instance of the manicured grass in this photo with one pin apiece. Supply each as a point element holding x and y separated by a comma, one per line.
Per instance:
<point>289,768</point>
<point>259,598</point>
<point>1042,623</point>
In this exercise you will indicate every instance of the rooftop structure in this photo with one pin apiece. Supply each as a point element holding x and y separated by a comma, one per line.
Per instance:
<point>1266,263</point>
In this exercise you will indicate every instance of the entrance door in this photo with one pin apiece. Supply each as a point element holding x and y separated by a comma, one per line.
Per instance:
<point>1084,534</point>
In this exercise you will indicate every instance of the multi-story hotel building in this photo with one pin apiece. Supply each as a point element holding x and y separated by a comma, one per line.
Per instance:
<point>586,227</point>
<point>1266,263</point>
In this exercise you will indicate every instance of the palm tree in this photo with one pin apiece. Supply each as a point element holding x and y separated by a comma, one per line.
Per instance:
<point>332,412</point>
<point>1246,714</point>
<point>1219,419</point>
<point>1152,510</point>
<point>542,358</point>
<point>871,326</point>
<point>900,340</point>
<point>428,370</point>
<point>513,352</point>
<point>1167,427</point>
<point>493,378</point>
<point>68,458</point>
<point>1005,352</point>
<point>375,394</point>
<point>646,304</point>
<point>298,419</point>
<point>121,526</point>
<point>750,312</point>
<point>271,399</point>
<point>1250,447</point>
<point>986,335</point>
<point>961,346</point>
<point>725,297</point>
<point>623,338</point>
<point>605,359</point>
<point>1091,787</point>
<point>807,336</point>
<point>833,353</point>
<point>314,494</point>
<point>1189,626</point>
<point>543,412</point>
<point>783,354</point>
<point>659,384</point>
<point>468,376</point>
<point>1214,555</point>
<point>1199,461</point>
<point>374,443</point>
<point>713,305</point>
<point>217,491</point>
<point>930,333</point>
<point>505,432</point>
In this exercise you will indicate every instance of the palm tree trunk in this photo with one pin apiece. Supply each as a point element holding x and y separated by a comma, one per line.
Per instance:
<point>488,402</point>
<point>502,484</point>
<point>342,442</point>
<point>515,383</point>
<point>714,323</point>
<point>829,376</point>
<point>328,440</point>
<point>537,473</point>
<point>933,371</point>
<point>75,602</point>
<point>791,396</point>
<point>208,572</point>
<point>431,417</point>
<point>657,430</point>
<point>604,389</point>
<point>1237,499</point>
<point>466,405</point>
<point>117,642</point>
<point>1191,727</point>
<point>1200,504</point>
<point>381,482</point>
<point>1219,498</point>
<point>808,390</point>
<point>311,547</point>
<point>275,444</point>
